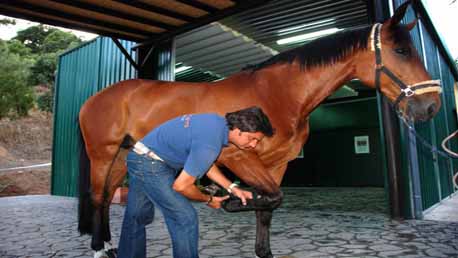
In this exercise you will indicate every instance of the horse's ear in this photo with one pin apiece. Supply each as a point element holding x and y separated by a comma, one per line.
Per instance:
<point>399,14</point>
<point>411,25</point>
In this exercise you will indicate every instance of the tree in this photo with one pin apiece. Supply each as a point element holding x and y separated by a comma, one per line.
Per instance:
<point>47,45</point>
<point>17,47</point>
<point>42,71</point>
<point>33,37</point>
<point>33,53</point>
<point>7,22</point>
<point>16,98</point>
<point>58,41</point>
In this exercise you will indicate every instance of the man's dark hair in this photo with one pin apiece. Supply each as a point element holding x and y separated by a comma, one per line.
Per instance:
<point>251,120</point>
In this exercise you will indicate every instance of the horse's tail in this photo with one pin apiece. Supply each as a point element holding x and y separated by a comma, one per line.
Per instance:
<point>85,206</point>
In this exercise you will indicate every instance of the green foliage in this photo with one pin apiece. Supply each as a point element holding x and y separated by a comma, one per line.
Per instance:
<point>45,102</point>
<point>34,37</point>
<point>30,59</point>
<point>42,71</point>
<point>17,47</point>
<point>58,41</point>
<point>16,98</point>
<point>7,22</point>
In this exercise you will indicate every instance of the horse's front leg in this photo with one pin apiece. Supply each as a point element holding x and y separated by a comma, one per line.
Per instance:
<point>262,246</point>
<point>267,197</point>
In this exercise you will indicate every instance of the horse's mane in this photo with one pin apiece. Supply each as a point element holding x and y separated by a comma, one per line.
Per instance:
<point>322,51</point>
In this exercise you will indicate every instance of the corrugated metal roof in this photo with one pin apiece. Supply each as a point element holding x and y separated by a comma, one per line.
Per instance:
<point>219,49</point>
<point>250,37</point>
<point>286,18</point>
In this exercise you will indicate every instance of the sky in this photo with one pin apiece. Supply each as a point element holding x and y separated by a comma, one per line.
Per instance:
<point>442,12</point>
<point>445,18</point>
<point>9,31</point>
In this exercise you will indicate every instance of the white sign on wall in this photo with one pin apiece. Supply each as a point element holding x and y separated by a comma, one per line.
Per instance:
<point>362,144</point>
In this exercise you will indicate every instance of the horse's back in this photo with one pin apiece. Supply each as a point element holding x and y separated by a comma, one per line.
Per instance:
<point>103,116</point>
<point>136,106</point>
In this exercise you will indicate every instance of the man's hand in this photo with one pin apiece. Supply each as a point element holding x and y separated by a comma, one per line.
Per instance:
<point>216,201</point>
<point>242,194</point>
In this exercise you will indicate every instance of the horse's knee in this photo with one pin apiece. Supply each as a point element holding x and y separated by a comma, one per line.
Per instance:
<point>268,201</point>
<point>276,199</point>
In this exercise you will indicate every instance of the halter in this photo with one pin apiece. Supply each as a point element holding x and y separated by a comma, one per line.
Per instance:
<point>407,91</point>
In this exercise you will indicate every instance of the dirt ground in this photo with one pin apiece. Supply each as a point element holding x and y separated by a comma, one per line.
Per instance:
<point>23,142</point>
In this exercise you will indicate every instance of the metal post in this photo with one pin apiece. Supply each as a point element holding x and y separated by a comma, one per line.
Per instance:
<point>159,64</point>
<point>414,171</point>
<point>379,9</point>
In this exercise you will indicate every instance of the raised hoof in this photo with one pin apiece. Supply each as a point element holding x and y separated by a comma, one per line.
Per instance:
<point>258,203</point>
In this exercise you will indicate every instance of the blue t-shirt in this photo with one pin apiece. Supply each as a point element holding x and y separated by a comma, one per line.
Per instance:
<point>192,142</point>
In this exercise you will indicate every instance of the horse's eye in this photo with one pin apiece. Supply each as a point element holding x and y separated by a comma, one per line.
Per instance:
<point>402,51</point>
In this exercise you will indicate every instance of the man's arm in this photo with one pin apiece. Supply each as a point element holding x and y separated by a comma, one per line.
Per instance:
<point>184,184</point>
<point>218,177</point>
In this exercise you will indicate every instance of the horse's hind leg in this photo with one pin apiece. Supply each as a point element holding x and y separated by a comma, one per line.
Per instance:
<point>99,173</point>
<point>106,176</point>
<point>114,180</point>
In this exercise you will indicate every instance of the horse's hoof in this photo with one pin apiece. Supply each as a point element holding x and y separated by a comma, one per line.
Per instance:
<point>101,254</point>
<point>112,253</point>
<point>255,256</point>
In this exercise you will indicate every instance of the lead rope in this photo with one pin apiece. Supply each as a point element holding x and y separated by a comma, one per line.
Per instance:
<point>452,154</point>
<point>447,154</point>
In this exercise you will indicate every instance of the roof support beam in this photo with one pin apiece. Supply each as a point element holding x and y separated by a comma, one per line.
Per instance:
<point>76,18</point>
<point>156,9</point>
<point>117,14</point>
<point>60,23</point>
<point>199,5</point>
<point>125,53</point>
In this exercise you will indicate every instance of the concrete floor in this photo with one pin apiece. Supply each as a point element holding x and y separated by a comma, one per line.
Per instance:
<point>312,222</point>
<point>447,210</point>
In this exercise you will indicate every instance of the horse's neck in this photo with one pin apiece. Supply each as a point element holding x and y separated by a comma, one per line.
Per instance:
<point>298,92</point>
<point>321,82</point>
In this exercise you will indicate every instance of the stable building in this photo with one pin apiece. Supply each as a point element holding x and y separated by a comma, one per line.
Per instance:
<point>356,138</point>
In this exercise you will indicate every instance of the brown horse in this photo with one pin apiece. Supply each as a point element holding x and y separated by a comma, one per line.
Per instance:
<point>288,87</point>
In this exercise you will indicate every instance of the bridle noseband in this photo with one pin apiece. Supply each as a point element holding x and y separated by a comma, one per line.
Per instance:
<point>407,91</point>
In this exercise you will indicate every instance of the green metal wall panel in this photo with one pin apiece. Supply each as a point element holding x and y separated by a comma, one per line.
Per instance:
<point>81,73</point>
<point>448,97</point>
<point>435,182</point>
<point>434,170</point>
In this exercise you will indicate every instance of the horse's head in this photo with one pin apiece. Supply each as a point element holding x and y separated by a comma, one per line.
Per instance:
<point>399,73</point>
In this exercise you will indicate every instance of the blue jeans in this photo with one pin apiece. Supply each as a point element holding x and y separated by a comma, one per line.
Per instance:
<point>150,183</point>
